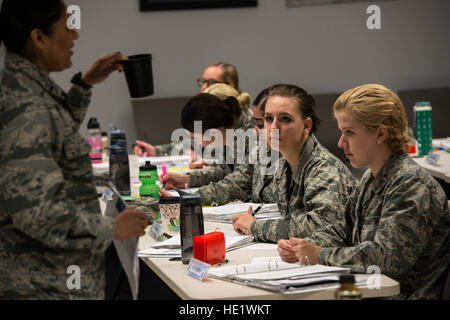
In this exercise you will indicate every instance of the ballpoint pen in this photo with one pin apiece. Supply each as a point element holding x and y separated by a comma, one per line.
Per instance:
<point>257,209</point>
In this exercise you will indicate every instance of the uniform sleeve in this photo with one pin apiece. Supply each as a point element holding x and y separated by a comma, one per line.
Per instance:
<point>326,191</point>
<point>403,232</point>
<point>203,177</point>
<point>37,200</point>
<point>78,100</point>
<point>325,235</point>
<point>235,186</point>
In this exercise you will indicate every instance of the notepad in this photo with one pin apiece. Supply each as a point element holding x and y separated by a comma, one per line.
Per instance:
<point>226,212</point>
<point>168,159</point>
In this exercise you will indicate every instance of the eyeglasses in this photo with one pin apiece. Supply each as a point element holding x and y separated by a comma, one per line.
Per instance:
<point>201,81</point>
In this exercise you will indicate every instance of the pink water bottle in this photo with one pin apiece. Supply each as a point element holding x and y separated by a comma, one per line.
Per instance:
<point>95,140</point>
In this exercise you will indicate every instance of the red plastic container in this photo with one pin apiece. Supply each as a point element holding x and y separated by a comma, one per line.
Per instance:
<point>210,247</point>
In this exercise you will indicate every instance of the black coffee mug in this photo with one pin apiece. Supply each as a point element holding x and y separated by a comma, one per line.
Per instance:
<point>139,75</point>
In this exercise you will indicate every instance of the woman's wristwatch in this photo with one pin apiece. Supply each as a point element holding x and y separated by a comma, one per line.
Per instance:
<point>76,79</point>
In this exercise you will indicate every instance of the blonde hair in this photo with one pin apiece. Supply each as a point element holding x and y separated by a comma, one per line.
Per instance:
<point>223,91</point>
<point>374,105</point>
<point>230,74</point>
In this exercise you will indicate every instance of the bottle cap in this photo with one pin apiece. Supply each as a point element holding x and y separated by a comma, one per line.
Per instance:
<point>169,200</point>
<point>104,134</point>
<point>93,123</point>
<point>347,278</point>
<point>147,167</point>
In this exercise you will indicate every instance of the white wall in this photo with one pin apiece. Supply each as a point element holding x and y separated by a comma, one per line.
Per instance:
<point>324,48</point>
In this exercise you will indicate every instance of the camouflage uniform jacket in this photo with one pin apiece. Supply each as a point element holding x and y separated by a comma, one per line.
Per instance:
<point>50,216</point>
<point>398,221</point>
<point>219,171</point>
<point>311,196</point>
<point>246,183</point>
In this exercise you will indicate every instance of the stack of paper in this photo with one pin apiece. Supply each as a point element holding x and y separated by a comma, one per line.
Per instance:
<point>171,247</point>
<point>224,213</point>
<point>271,273</point>
<point>442,143</point>
<point>169,160</point>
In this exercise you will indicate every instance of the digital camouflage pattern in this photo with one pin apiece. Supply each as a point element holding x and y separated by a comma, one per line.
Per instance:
<point>398,221</point>
<point>247,183</point>
<point>311,196</point>
<point>147,205</point>
<point>50,216</point>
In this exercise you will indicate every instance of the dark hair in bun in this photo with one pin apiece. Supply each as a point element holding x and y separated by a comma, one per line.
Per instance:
<point>211,110</point>
<point>19,17</point>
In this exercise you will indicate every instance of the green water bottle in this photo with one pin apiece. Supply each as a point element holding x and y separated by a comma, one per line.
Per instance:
<point>422,114</point>
<point>148,175</point>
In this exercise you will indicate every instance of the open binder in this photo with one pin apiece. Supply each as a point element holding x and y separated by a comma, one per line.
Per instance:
<point>272,274</point>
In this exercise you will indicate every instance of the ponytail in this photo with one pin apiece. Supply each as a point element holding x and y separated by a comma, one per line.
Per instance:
<point>223,91</point>
<point>244,101</point>
<point>232,105</point>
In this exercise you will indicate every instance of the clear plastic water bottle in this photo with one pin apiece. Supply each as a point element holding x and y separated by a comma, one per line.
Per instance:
<point>119,167</point>
<point>105,146</point>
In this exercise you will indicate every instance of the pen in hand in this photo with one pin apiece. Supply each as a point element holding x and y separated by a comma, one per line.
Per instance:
<point>257,209</point>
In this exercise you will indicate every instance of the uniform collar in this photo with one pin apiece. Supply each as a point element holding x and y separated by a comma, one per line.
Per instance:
<point>388,170</point>
<point>23,66</point>
<point>305,155</point>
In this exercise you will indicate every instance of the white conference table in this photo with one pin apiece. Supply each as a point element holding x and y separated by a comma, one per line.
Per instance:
<point>189,288</point>
<point>441,170</point>
<point>186,287</point>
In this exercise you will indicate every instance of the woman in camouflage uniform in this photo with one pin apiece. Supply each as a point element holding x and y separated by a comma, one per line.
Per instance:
<point>248,182</point>
<point>50,217</point>
<point>312,185</point>
<point>214,114</point>
<point>397,218</point>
